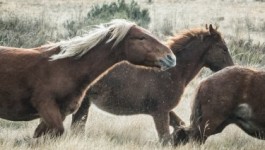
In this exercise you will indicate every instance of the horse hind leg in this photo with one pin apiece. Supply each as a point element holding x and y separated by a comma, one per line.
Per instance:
<point>80,117</point>
<point>243,118</point>
<point>251,128</point>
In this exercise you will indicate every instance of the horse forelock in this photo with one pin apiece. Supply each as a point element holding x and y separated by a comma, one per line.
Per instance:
<point>179,41</point>
<point>78,46</point>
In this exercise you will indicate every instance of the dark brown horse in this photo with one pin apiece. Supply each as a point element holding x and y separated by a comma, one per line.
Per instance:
<point>128,90</point>
<point>233,95</point>
<point>49,82</point>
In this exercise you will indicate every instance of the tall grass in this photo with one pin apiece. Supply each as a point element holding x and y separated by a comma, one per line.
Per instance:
<point>25,32</point>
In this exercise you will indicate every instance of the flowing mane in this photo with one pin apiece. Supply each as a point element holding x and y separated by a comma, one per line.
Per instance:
<point>79,46</point>
<point>178,41</point>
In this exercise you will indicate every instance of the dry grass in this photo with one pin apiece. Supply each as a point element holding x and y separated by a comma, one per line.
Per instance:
<point>238,19</point>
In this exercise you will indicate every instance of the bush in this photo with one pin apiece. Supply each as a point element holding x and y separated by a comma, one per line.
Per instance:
<point>246,52</point>
<point>120,9</point>
<point>108,11</point>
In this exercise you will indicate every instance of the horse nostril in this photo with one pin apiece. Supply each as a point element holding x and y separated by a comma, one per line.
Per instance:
<point>169,57</point>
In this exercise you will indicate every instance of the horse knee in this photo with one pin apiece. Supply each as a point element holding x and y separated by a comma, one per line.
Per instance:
<point>175,121</point>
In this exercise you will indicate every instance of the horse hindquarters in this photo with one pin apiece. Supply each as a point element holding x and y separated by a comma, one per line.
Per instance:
<point>205,120</point>
<point>207,123</point>
<point>244,118</point>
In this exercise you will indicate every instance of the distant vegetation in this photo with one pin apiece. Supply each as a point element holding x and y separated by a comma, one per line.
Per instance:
<point>25,32</point>
<point>247,52</point>
<point>108,11</point>
<point>28,32</point>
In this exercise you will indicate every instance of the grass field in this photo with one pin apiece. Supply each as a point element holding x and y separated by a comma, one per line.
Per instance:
<point>30,23</point>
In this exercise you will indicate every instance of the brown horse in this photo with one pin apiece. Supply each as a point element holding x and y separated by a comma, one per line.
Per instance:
<point>233,95</point>
<point>49,82</point>
<point>128,90</point>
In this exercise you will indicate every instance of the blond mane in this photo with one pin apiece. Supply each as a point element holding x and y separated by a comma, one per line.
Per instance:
<point>79,46</point>
<point>178,41</point>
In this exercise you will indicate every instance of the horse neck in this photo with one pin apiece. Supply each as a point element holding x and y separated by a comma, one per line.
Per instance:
<point>94,63</point>
<point>189,62</point>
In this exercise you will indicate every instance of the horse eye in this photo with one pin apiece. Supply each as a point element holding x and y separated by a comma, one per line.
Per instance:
<point>138,38</point>
<point>225,49</point>
<point>142,38</point>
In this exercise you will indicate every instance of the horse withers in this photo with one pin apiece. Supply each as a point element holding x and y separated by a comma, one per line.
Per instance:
<point>233,95</point>
<point>49,82</point>
<point>128,90</point>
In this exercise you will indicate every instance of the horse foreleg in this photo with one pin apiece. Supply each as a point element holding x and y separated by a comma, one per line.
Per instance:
<point>80,117</point>
<point>52,119</point>
<point>42,128</point>
<point>175,121</point>
<point>162,126</point>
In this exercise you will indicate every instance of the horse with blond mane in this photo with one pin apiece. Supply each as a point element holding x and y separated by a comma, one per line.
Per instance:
<point>49,82</point>
<point>128,90</point>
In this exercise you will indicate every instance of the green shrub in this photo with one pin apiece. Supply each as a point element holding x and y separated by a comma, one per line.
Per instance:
<point>120,9</point>
<point>108,11</point>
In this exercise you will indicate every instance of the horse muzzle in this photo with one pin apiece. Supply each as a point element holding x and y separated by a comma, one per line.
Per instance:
<point>167,62</point>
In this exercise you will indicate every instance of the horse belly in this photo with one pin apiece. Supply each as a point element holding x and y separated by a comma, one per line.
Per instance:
<point>19,112</point>
<point>16,109</point>
<point>117,106</point>
<point>117,96</point>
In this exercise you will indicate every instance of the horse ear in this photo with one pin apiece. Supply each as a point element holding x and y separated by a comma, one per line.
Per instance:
<point>206,26</point>
<point>212,30</point>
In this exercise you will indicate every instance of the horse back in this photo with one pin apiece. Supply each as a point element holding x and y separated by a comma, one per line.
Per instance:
<point>18,59</point>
